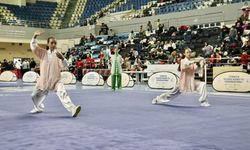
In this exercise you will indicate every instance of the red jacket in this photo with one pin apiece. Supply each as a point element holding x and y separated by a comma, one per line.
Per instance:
<point>90,62</point>
<point>79,64</point>
<point>244,59</point>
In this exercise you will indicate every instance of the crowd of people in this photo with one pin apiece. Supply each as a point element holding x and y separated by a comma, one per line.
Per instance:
<point>20,66</point>
<point>160,45</point>
<point>229,44</point>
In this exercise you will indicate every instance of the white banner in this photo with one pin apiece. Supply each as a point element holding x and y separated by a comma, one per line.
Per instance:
<point>101,82</point>
<point>67,77</point>
<point>30,77</point>
<point>161,68</point>
<point>232,82</point>
<point>8,76</point>
<point>131,82</point>
<point>125,80</point>
<point>91,79</point>
<point>163,80</point>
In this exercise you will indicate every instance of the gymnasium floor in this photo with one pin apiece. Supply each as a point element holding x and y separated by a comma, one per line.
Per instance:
<point>123,120</point>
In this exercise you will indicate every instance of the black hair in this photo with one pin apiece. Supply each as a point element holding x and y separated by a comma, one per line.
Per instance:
<point>51,37</point>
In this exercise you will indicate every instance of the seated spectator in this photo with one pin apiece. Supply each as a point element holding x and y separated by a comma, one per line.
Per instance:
<point>137,64</point>
<point>207,50</point>
<point>101,57</point>
<point>104,29</point>
<point>142,31</point>
<point>91,37</point>
<point>82,41</point>
<point>172,58</point>
<point>215,58</point>
<point>224,32</point>
<point>246,46</point>
<point>90,62</point>
<point>127,64</point>
<point>131,36</point>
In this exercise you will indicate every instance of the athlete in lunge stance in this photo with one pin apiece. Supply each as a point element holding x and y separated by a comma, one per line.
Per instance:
<point>187,82</point>
<point>51,64</point>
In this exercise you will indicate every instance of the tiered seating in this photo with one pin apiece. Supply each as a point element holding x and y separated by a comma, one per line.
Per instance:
<point>6,17</point>
<point>132,4</point>
<point>59,13</point>
<point>37,15</point>
<point>188,5</point>
<point>80,6</point>
<point>93,6</point>
<point>183,6</point>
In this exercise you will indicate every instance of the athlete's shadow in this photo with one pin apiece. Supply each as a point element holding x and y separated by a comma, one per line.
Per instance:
<point>180,106</point>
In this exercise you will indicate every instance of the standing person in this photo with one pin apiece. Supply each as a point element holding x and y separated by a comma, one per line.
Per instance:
<point>32,64</point>
<point>51,64</point>
<point>116,70</point>
<point>150,26</point>
<point>26,66</point>
<point>244,59</point>
<point>79,66</point>
<point>18,66</point>
<point>187,82</point>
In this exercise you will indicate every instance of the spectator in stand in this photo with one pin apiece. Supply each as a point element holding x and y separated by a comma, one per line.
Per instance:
<point>111,33</point>
<point>127,64</point>
<point>133,54</point>
<point>160,31</point>
<point>207,50</point>
<point>244,60</point>
<point>233,34</point>
<point>215,59</point>
<point>239,29</point>
<point>172,58</point>
<point>83,41</point>
<point>142,31</point>
<point>104,29</point>
<point>171,46</point>
<point>137,64</point>
<point>131,36</point>
<point>158,25</point>
<point>90,62</point>
<point>246,46</point>
<point>150,26</point>
<point>245,13</point>
<point>91,37</point>
<point>224,32</point>
<point>101,57</point>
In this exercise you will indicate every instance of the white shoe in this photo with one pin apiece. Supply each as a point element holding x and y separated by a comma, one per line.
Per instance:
<point>163,101</point>
<point>157,100</point>
<point>205,104</point>
<point>76,111</point>
<point>37,109</point>
<point>154,101</point>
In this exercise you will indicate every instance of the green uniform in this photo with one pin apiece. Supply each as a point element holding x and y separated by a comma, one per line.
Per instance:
<point>116,71</point>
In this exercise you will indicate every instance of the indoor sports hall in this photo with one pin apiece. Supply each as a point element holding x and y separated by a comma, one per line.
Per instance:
<point>124,74</point>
